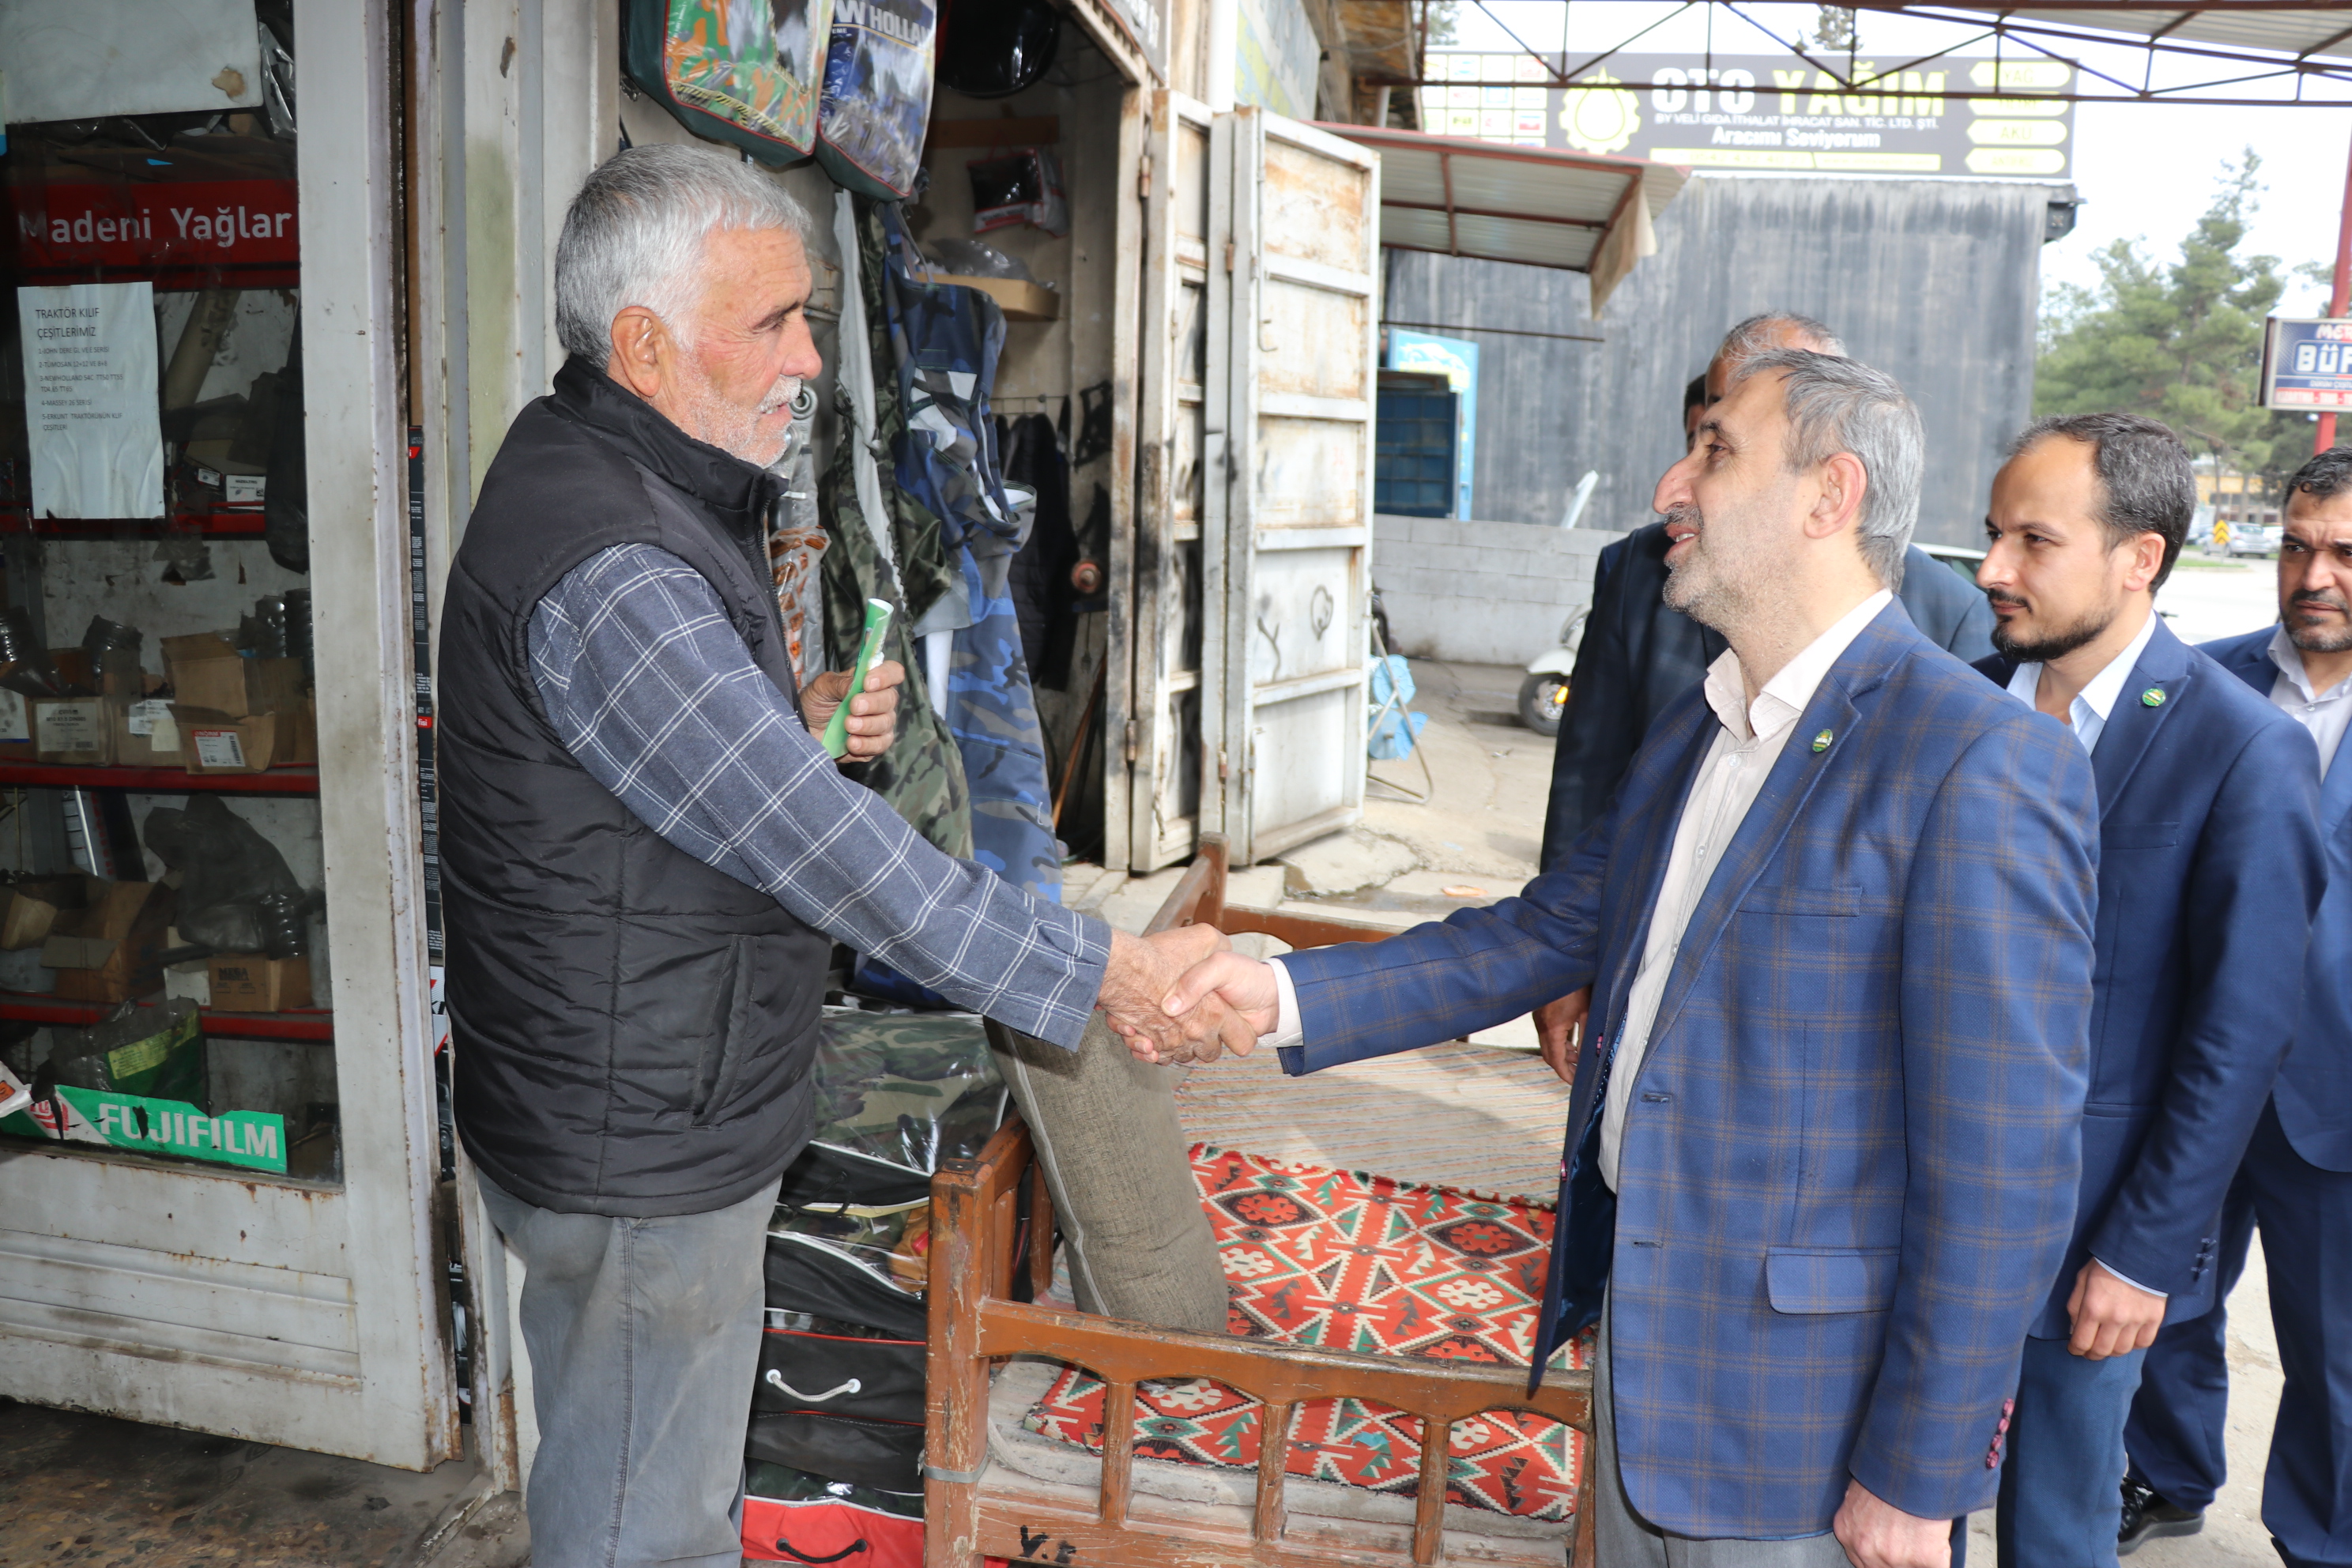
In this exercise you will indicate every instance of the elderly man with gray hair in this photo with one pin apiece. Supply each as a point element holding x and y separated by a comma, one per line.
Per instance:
<point>647,856</point>
<point>1824,1138</point>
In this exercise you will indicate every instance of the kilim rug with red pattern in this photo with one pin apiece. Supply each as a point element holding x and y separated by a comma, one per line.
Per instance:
<point>1355,1262</point>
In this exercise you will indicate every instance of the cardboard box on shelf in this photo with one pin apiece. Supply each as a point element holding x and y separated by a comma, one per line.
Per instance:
<point>301,736</point>
<point>207,671</point>
<point>256,983</point>
<point>144,731</point>
<point>73,668</point>
<point>71,730</point>
<point>136,918</point>
<point>212,741</point>
<point>29,909</point>
<point>77,951</point>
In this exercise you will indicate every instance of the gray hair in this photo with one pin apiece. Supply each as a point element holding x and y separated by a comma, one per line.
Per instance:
<point>1836,405</point>
<point>1754,336</point>
<point>2146,484</point>
<point>635,236</point>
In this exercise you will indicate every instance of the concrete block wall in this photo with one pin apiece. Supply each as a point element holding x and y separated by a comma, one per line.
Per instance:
<point>1481,592</point>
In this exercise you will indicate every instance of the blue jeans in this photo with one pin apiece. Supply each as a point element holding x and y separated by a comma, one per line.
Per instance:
<point>2061,1499</point>
<point>644,1337</point>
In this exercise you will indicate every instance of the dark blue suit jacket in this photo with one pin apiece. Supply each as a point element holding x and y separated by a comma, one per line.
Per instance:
<point>2209,868</point>
<point>2313,1092</point>
<point>1850,1160</point>
<point>1638,655</point>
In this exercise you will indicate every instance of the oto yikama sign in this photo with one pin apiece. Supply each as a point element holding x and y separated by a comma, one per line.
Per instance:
<point>1768,113</point>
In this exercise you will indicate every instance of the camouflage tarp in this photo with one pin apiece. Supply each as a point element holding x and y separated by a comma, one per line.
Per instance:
<point>945,341</point>
<point>922,776</point>
<point>908,1089</point>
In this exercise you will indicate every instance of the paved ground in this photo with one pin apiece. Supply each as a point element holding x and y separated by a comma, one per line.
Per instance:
<point>95,1490</point>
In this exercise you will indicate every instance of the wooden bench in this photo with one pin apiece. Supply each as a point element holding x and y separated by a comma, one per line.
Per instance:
<point>974,1509</point>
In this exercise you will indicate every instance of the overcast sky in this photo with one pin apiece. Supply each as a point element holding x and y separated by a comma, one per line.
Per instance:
<point>2145,171</point>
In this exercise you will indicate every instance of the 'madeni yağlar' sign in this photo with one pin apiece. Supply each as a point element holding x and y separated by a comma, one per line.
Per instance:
<point>1769,113</point>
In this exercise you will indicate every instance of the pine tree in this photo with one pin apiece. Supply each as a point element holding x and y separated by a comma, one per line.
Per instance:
<point>2181,343</point>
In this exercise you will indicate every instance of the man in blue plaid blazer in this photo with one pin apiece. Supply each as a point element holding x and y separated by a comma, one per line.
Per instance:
<point>1824,1142</point>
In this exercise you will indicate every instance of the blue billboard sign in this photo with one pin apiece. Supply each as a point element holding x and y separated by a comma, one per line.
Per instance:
<point>2307,365</point>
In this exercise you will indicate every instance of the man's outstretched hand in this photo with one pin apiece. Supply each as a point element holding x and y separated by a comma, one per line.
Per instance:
<point>873,721</point>
<point>1557,1026</point>
<point>1143,970</point>
<point>1221,995</point>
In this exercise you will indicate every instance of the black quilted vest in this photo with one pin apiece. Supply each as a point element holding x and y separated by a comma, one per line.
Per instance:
<point>631,1029</point>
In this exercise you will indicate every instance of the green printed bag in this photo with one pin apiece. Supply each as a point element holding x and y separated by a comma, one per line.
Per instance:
<point>745,73</point>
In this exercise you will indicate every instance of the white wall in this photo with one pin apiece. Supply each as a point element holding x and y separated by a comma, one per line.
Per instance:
<point>1481,592</point>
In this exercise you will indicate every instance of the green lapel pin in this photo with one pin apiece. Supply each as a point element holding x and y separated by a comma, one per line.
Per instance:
<point>2153,697</point>
<point>1822,742</point>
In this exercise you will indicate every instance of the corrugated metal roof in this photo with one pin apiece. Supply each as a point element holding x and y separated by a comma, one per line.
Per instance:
<point>2291,27</point>
<point>1457,196</point>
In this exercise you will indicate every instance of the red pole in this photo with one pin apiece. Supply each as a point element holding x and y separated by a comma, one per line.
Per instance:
<point>2340,296</point>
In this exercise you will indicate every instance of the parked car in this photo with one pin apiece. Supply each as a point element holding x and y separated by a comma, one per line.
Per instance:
<point>1960,558</point>
<point>2255,539</point>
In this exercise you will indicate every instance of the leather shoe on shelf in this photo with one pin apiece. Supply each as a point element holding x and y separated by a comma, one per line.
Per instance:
<point>2147,1516</point>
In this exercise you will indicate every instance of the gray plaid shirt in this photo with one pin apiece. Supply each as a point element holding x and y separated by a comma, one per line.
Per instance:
<point>652,691</point>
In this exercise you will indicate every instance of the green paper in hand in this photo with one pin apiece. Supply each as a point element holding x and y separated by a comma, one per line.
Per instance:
<point>878,622</point>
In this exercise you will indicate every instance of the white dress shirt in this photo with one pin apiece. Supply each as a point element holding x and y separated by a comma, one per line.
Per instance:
<point>2325,713</point>
<point>1747,743</point>
<point>2087,714</point>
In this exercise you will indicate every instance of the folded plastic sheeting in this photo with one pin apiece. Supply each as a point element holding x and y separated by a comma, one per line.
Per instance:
<point>897,1093</point>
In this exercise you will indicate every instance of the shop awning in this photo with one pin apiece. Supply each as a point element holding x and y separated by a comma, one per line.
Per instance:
<point>2293,27</point>
<point>1529,204</point>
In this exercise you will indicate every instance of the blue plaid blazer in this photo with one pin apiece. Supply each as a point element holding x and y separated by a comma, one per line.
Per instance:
<point>1850,1160</point>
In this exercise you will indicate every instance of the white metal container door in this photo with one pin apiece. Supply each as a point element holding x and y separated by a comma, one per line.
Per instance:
<point>302,1313</point>
<point>1289,549</point>
<point>1166,744</point>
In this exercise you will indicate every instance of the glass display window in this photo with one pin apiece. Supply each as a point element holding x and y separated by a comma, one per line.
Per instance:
<point>165,988</point>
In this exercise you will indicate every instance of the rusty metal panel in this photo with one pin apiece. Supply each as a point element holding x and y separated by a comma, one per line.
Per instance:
<point>1313,206</point>
<point>1287,541</point>
<point>1934,281</point>
<point>1308,472</point>
<point>1163,751</point>
<point>1312,339</point>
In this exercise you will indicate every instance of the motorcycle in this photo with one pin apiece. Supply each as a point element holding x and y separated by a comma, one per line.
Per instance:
<point>1544,694</point>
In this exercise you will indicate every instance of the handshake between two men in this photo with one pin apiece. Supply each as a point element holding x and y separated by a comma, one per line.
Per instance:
<point>1184,995</point>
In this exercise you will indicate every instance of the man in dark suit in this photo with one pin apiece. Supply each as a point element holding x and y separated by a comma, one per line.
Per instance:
<point>1823,1150</point>
<point>1639,652</point>
<point>2210,869</point>
<point>2297,1182</point>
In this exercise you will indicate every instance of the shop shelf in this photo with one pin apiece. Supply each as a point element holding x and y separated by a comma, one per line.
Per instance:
<point>243,522</point>
<point>159,781</point>
<point>307,1024</point>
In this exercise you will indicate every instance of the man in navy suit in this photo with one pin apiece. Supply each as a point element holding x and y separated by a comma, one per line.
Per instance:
<point>1823,1147</point>
<point>2296,1181</point>
<point>1640,653</point>
<point>2209,868</point>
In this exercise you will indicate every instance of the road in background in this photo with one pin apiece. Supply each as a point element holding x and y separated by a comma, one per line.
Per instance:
<point>2209,597</point>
